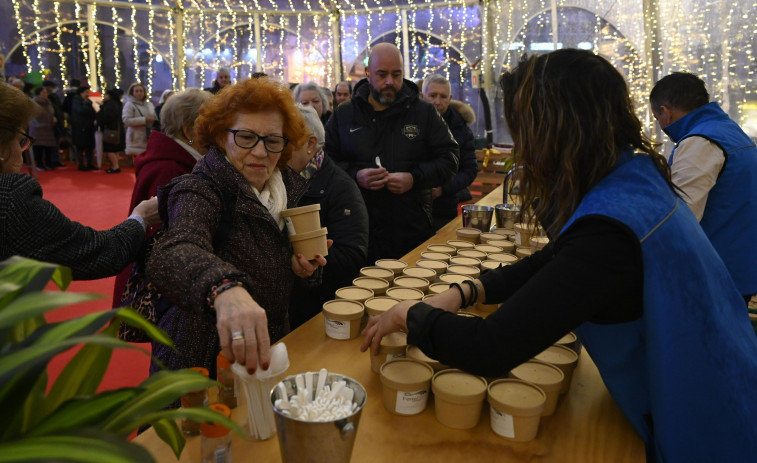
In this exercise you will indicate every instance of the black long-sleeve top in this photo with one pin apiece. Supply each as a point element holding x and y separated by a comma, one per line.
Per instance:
<point>592,273</point>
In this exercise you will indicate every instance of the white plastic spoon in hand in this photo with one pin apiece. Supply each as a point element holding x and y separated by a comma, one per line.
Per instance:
<point>378,162</point>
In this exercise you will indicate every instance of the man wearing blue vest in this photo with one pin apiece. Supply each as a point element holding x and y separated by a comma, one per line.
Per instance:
<point>714,163</point>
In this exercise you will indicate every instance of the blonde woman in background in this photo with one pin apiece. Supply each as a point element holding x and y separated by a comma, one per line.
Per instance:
<point>138,116</point>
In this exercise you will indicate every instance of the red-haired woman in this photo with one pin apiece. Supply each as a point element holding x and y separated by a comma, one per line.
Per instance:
<point>232,293</point>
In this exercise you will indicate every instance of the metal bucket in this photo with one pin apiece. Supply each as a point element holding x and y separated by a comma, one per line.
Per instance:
<point>317,441</point>
<point>506,215</point>
<point>475,216</point>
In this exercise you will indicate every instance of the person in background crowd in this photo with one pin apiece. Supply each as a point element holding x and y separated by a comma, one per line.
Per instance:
<point>222,80</point>
<point>109,118</point>
<point>233,293</point>
<point>138,116</point>
<point>714,163</point>
<point>396,147</point>
<point>33,227</point>
<point>60,120</point>
<point>163,98</point>
<point>82,120</point>
<point>342,93</point>
<point>310,94</point>
<point>342,212</point>
<point>68,98</point>
<point>328,107</point>
<point>457,115</point>
<point>638,280</point>
<point>18,83</point>
<point>42,130</point>
<point>169,154</point>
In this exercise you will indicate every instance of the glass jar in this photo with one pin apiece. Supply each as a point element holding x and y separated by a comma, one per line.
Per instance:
<point>216,439</point>
<point>197,398</point>
<point>226,391</point>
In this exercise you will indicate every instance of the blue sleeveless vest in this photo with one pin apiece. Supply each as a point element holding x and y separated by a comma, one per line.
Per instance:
<point>730,216</point>
<point>685,373</point>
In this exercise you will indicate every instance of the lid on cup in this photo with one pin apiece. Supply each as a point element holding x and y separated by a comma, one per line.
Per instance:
<point>377,272</point>
<point>370,283</point>
<point>435,265</point>
<point>516,397</point>
<point>458,387</point>
<point>468,232</point>
<point>523,252</point>
<point>567,339</point>
<point>405,294</point>
<point>213,429</point>
<point>492,264</point>
<point>557,355</point>
<point>438,288</point>
<point>460,244</point>
<point>406,374</point>
<point>487,248</point>
<point>411,282</point>
<point>393,264</point>
<point>505,245</point>
<point>300,210</point>
<point>464,260</point>
<point>442,248</point>
<point>343,309</point>
<point>464,270</point>
<point>420,272</point>
<point>480,255</point>
<point>202,370</point>
<point>503,257</point>
<point>354,293</point>
<point>546,376</point>
<point>395,339</point>
<point>433,255</point>
<point>222,361</point>
<point>454,278</point>
<point>375,305</point>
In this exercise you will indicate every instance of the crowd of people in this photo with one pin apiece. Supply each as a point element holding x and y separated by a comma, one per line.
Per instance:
<point>651,259</point>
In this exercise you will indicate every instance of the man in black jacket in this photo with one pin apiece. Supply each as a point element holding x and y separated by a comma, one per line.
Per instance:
<point>396,147</point>
<point>437,91</point>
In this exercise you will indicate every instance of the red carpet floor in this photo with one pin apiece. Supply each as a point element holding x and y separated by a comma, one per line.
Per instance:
<point>98,200</point>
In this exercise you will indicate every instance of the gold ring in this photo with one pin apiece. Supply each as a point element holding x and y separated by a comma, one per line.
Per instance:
<point>236,335</point>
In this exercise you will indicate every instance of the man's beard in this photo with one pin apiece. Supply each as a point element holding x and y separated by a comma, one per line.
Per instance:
<point>381,97</point>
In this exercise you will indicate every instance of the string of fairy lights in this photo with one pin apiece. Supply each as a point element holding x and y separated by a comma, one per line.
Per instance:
<point>711,39</point>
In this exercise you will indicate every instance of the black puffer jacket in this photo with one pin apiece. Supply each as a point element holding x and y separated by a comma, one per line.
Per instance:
<point>408,136</point>
<point>343,212</point>
<point>456,190</point>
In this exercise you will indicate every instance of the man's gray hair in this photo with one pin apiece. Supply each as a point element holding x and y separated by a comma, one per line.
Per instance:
<point>181,110</point>
<point>224,71</point>
<point>314,123</point>
<point>434,79</point>
<point>311,86</point>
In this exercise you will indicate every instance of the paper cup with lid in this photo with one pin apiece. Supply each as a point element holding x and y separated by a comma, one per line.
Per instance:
<point>489,236</point>
<point>460,244</point>
<point>342,318</point>
<point>548,377</point>
<point>480,255</point>
<point>405,294</point>
<point>538,242</point>
<point>523,252</point>
<point>420,272</point>
<point>458,398</point>
<point>377,272</point>
<point>434,255</point>
<point>394,265</point>
<point>393,346</point>
<point>563,358</point>
<point>310,243</point>
<point>515,409</point>
<point>354,293</point>
<point>572,342</point>
<point>436,265</point>
<point>523,233</point>
<point>472,235</point>
<point>445,248</point>
<point>414,353</point>
<point>473,272</point>
<point>492,265</point>
<point>508,233</point>
<point>411,282</point>
<point>377,305</point>
<point>504,257</point>
<point>377,285</point>
<point>465,260</point>
<point>302,219</point>
<point>406,386</point>
<point>488,248</point>
<point>505,245</point>
<point>437,288</point>
<point>450,278</point>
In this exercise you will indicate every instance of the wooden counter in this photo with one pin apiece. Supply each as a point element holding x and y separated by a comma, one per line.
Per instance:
<point>587,426</point>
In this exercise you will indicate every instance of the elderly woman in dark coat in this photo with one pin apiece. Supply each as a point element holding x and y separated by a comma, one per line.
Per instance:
<point>232,293</point>
<point>342,211</point>
<point>109,118</point>
<point>83,128</point>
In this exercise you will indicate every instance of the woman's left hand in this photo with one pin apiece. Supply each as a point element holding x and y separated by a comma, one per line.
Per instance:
<point>304,268</point>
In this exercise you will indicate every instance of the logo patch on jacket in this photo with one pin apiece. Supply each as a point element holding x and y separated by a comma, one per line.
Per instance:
<point>411,131</point>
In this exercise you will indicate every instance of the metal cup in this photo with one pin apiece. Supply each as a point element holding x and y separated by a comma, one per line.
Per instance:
<point>506,215</point>
<point>475,216</point>
<point>317,441</point>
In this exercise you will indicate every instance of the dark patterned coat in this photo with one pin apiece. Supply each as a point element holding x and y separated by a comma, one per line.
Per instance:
<point>185,266</point>
<point>33,227</point>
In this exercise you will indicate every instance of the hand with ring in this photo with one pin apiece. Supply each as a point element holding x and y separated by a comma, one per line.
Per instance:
<point>243,329</point>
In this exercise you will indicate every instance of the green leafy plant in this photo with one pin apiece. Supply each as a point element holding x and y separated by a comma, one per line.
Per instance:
<point>72,421</point>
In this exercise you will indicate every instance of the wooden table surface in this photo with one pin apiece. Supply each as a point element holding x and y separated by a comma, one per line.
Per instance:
<point>586,427</point>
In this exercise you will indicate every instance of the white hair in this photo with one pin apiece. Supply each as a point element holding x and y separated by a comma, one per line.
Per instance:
<point>299,88</point>
<point>434,79</point>
<point>314,123</point>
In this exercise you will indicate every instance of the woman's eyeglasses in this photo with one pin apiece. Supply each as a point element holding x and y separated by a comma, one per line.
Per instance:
<point>26,141</point>
<point>247,139</point>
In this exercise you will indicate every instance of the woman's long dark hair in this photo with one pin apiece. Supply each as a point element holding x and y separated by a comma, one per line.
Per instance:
<point>571,118</point>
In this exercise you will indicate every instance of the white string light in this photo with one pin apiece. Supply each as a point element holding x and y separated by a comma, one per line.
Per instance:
<point>61,48</point>
<point>114,19</point>
<point>38,39</point>
<point>84,47</point>
<point>24,43</point>
<point>134,42</point>
<point>98,50</point>
<point>171,39</point>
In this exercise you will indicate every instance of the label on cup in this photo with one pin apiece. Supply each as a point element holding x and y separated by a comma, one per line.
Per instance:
<point>290,226</point>
<point>337,329</point>
<point>390,357</point>
<point>411,403</point>
<point>517,239</point>
<point>502,423</point>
